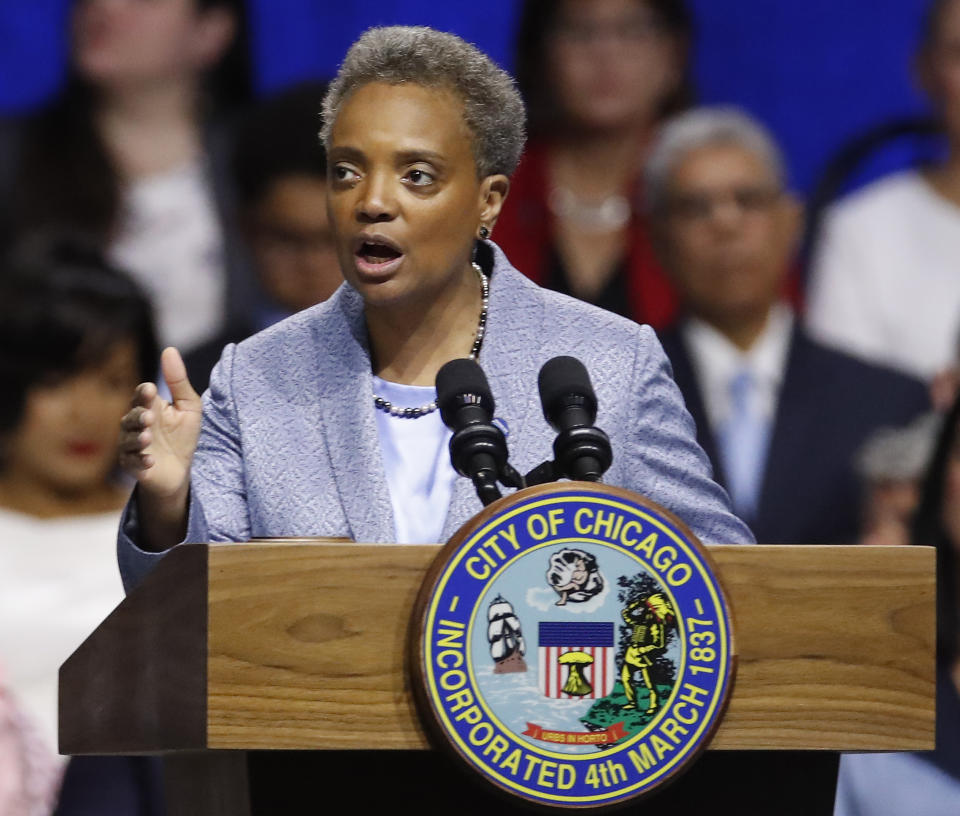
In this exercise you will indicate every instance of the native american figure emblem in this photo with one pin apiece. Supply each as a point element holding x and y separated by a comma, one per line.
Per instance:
<point>649,618</point>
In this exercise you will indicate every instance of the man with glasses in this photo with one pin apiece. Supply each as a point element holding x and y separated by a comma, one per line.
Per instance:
<point>779,415</point>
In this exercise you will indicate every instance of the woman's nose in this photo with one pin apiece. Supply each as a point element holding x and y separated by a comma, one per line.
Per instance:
<point>377,200</point>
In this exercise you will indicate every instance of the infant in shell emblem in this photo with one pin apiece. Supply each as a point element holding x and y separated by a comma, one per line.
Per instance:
<point>574,576</point>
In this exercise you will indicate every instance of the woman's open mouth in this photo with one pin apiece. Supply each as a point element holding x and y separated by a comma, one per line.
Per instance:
<point>378,256</point>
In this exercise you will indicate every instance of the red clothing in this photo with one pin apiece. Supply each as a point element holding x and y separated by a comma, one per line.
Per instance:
<point>525,233</point>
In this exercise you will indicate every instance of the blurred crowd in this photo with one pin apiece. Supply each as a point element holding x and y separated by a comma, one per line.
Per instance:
<point>156,202</point>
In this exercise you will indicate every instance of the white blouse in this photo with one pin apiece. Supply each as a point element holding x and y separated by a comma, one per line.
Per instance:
<point>886,279</point>
<point>58,580</point>
<point>416,459</point>
<point>170,240</point>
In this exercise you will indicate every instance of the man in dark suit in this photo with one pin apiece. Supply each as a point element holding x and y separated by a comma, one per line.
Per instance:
<point>779,415</point>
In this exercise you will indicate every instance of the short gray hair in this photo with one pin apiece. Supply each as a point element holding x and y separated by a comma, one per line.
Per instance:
<point>493,109</point>
<point>706,127</point>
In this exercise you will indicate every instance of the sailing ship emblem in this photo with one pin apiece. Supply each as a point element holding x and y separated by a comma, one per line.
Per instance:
<point>506,640</point>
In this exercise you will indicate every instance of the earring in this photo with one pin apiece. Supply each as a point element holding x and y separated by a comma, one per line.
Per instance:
<point>484,233</point>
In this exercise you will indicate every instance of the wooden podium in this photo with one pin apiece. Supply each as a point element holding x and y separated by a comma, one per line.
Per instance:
<point>300,644</point>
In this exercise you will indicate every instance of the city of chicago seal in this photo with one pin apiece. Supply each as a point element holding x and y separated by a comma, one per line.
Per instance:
<point>573,645</point>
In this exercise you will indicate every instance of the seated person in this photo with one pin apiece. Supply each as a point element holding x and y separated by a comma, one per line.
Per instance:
<point>924,783</point>
<point>131,154</point>
<point>75,336</point>
<point>280,170</point>
<point>780,416</point>
<point>885,285</point>
<point>598,77</point>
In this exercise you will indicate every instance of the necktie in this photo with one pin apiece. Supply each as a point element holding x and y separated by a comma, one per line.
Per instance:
<point>743,445</point>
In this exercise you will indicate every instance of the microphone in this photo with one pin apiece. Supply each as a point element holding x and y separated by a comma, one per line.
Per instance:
<point>580,450</point>
<point>478,448</point>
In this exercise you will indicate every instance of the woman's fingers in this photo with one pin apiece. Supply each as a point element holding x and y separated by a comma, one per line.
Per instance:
<point>136,419</point>
<point>134,463</point>
<point>175,374</point>
<point>135,441</point>
<point>135,430</point>
<point>143,395</point>
<point>157,438</point>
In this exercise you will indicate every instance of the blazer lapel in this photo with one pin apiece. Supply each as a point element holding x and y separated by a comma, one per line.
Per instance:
<point>346,415</point>
<point>507,358</point>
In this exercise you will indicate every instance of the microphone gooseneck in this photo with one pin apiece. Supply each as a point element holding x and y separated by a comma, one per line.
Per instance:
<point>478,448</point>
<point>580,450</point>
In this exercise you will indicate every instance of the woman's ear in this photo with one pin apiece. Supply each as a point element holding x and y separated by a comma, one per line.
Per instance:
<point>215,30</point>
<point>493,192</point>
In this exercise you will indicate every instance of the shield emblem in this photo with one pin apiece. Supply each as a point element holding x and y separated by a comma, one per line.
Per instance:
<point>576,659</point>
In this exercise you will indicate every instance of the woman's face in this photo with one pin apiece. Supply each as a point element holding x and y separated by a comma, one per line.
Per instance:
<point>405,199</point>
<point>136,41</point>
<point>67,439</point>
<point>942,67</point>
<point>611,63</point>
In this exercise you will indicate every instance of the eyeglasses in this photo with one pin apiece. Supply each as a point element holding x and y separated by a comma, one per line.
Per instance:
<point>694,207</point>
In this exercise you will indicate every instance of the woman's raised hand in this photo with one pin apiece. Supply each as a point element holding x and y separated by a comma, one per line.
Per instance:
<point>157,441</point>
<point>157,437</point>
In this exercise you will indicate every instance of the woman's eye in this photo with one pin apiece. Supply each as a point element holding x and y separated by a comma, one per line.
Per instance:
<point>344,173</point>
<point>420,178</point>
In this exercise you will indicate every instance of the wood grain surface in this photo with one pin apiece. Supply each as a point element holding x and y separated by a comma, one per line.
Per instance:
<point>306,646</point>
<point>138,683</point>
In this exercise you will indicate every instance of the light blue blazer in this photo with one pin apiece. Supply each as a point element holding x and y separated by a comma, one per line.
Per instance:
<point>289,443</point>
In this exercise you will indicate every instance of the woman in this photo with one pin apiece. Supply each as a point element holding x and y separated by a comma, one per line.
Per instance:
<point>75,337</point>
<point>133,154</point>
<point>303,428</point>
<point>598,77</point>
<point>926,784</point>
<point>422,132</point>
<point>884,280</point>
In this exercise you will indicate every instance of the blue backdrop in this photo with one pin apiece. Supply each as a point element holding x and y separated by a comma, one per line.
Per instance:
<point>816,72</point>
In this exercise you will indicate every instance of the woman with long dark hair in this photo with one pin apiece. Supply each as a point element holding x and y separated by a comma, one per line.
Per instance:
<point>132,153</point>
<point>598,77</point>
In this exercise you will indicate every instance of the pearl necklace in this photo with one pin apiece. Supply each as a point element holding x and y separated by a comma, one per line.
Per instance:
<point>428,408</point>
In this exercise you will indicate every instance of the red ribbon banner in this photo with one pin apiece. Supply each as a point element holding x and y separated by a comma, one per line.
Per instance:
<point>614,733</point>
